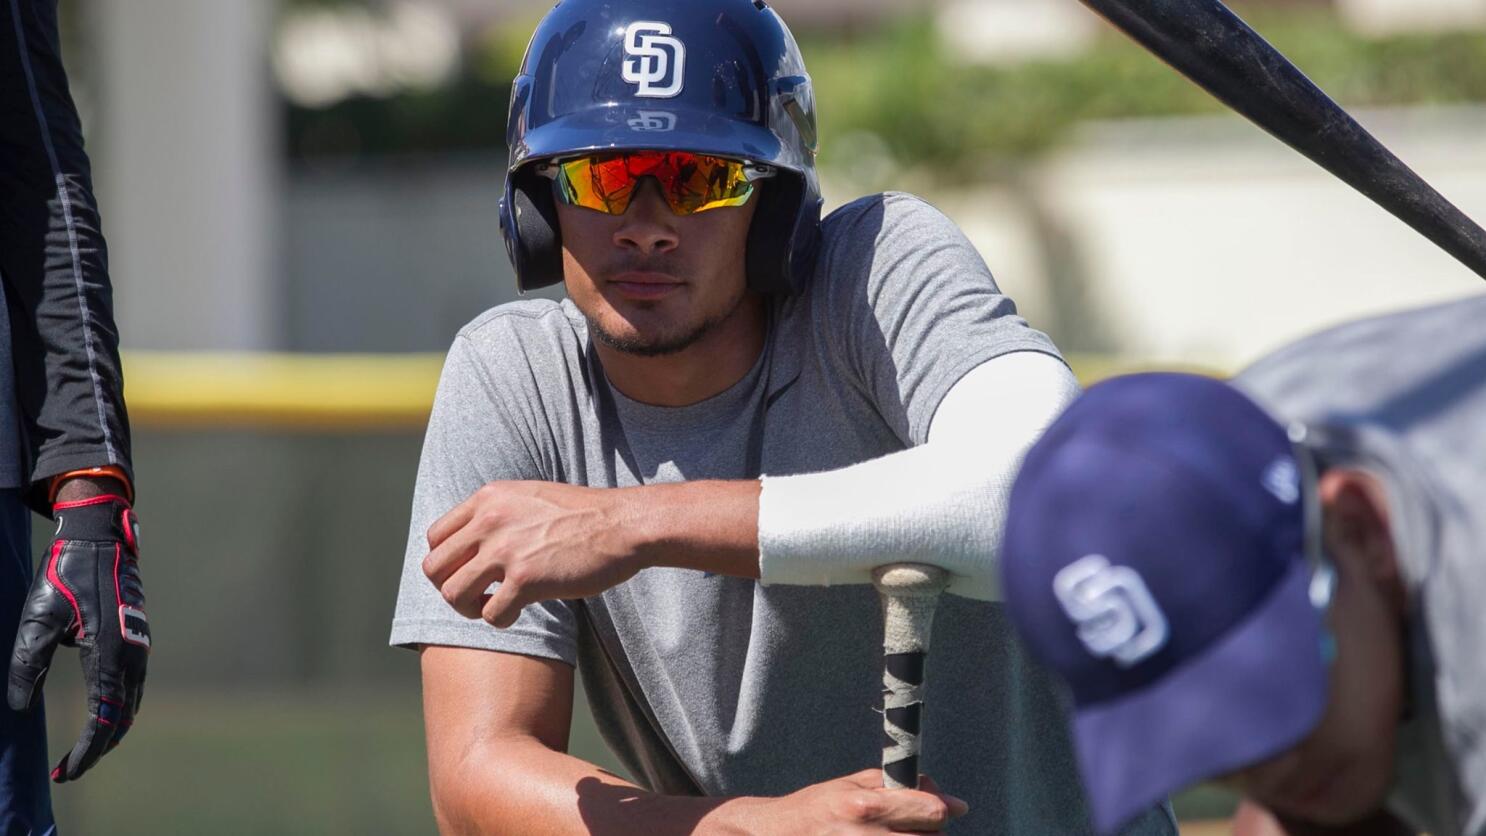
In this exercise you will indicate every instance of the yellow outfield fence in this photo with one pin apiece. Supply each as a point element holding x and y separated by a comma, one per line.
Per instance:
<point>339,392</point>
<point>289,391</point>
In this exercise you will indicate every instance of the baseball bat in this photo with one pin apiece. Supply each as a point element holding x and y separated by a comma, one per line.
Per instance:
<point>909,592</point>
<point>1209,44</point>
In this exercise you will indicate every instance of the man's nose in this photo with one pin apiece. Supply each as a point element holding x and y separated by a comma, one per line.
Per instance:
<point>649,225</point>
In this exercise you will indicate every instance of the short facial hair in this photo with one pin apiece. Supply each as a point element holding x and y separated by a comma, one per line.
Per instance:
<point>641,347</point>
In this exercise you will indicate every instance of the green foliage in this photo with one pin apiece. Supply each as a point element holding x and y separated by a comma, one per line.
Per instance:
<point>498,53</point>
<point>901,85</point>
<point>897,89</point>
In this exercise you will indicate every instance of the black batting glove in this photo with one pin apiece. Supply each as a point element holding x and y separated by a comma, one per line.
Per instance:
<point>87,595</point>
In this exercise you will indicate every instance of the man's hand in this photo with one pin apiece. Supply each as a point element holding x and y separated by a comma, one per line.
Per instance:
<point>87,594</point>
<point>853,805</point>
<point>540,540</point>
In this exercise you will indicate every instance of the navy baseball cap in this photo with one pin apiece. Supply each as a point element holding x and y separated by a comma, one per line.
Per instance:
<point>1156,559</point>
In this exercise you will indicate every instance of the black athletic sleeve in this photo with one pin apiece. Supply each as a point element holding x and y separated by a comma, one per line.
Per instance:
<point>54,262</point>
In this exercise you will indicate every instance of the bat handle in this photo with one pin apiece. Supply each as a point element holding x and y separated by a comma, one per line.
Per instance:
<point>909,594</point>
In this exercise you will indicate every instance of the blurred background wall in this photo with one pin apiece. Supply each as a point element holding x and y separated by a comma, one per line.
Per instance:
<point>300,200</point>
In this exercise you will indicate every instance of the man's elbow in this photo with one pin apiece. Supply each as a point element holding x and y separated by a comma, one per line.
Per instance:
<point>450,788</point>
<point>469,792</point>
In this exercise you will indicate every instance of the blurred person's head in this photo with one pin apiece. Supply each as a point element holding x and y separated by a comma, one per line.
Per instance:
<point>1340,771</point>
<point>1221,604</point>
<point>662,166</point>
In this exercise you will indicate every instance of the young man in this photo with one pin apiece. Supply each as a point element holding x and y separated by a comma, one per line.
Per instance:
<point>64,435</point>
<point>1274,582</point>
<point>599,460</point>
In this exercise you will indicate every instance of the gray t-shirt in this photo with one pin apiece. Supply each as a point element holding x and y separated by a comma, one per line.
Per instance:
<point>720,685</point>
<point>1405,395</point>
<point>11,467</point>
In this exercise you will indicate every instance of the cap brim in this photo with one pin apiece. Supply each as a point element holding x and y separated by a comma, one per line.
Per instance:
<point>1252,695</point>
<point>626,126</point>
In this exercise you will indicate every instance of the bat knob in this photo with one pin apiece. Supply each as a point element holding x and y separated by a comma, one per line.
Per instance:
<point>910,580</point>
<point>910,593</point>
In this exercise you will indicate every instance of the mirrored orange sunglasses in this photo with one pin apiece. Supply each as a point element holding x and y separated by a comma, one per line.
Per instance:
<point>690,183</point>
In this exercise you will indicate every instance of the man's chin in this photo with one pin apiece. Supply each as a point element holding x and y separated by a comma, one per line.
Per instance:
<point>642,343</point>
<point>651,331</point>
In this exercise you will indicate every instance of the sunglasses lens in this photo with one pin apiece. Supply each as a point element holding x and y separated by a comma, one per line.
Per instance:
<point>689,182</point>
<point>601,184</point>
<point>699,183</point>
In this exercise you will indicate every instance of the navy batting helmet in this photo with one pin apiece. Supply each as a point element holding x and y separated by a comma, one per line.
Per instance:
<point>720,77</point>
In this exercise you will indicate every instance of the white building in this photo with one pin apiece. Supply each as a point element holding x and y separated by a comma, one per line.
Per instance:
<point>1381,17</point>
<point>1007,31</point>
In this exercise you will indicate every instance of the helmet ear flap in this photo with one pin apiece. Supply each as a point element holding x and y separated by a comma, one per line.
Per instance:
<point>533,241</point>
<point>781,245</point>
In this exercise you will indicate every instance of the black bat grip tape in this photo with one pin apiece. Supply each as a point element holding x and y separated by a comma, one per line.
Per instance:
<point>901,766</point>
<point>910,592</point>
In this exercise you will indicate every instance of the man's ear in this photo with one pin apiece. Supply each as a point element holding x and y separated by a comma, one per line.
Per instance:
<point>1358,531</point>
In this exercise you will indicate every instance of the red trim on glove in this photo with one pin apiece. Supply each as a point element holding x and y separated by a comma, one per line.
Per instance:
<point>131,526</point>
<point>56,581</point>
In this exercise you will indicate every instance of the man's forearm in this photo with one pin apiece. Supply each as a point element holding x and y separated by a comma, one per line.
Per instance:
<point>54,262</point>
<point>522,787</point>
<point>941,501</point>
<point>709,526</point>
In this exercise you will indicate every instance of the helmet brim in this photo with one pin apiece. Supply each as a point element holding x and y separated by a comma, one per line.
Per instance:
<point>629,127</point>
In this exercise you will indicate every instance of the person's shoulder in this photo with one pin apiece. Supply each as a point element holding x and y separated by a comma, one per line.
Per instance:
<point>892,240</point>
<point>1432,335</point>
<point>522,323</point>
<point>894,212</point>
<point>523,343</point>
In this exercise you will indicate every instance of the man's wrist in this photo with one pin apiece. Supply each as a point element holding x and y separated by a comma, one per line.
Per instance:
<point>642,524</point>
<point>733,817</point>
<point>710,526</point>
<point>78,488</point>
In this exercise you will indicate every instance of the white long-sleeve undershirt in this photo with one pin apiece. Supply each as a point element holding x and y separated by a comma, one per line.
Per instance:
<point>941,503</point>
